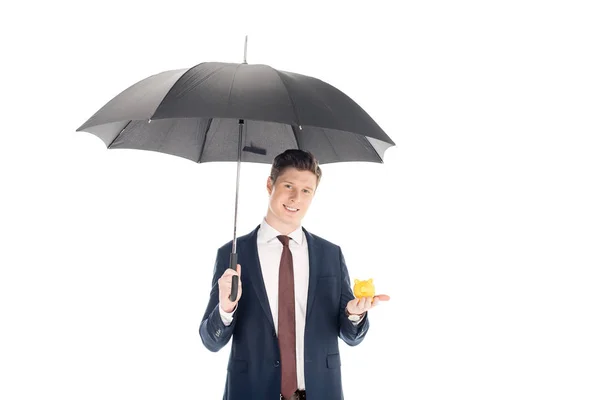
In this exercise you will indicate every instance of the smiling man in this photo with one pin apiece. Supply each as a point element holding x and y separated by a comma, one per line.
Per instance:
<point>297,299</point>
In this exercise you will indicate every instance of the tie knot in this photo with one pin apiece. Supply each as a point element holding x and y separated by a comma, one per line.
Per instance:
<point>285,240</point>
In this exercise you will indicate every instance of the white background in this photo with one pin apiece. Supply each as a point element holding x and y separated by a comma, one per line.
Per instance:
<point>482,224</point>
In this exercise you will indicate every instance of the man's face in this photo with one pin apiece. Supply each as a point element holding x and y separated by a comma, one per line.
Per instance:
<point>289,198</point>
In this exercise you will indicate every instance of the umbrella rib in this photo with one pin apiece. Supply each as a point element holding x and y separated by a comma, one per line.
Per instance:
<point>231,86</point>
<point>289,97</point>
<point>119,134</point>
<point>295,136</point>
<point>331,144</point>
<point>204,140</point>
<point>374,149</point>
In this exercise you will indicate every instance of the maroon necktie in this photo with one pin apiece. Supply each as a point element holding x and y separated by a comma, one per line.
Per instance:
<point>286,324</point>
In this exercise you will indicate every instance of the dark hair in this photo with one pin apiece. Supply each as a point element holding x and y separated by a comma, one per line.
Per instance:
<point>299,159</point>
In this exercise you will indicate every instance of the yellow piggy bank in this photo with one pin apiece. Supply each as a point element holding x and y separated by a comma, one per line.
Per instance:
<point>364,288</point>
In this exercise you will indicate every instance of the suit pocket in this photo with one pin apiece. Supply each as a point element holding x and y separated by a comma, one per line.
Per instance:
<point>333,361</point>
<point>239,366</point>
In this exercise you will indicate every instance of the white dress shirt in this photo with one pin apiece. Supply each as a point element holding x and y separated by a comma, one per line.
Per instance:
<point>269,254</point>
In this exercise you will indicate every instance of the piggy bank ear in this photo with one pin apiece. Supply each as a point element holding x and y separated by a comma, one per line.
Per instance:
<point>371,280</point>
<point>356,281</point>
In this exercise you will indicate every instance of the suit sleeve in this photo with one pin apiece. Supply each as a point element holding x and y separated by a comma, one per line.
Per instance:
<point>350,333</point>
<point>213,332</point>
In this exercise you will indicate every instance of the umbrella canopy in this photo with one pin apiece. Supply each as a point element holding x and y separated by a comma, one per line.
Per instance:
<point>219,111</point>
<point>194,113</point>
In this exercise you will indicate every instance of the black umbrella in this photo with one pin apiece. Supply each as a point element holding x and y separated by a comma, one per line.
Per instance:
<point>219,111</point>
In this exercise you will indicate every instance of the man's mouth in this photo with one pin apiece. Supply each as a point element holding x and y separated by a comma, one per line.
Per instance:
<point>291,209</point>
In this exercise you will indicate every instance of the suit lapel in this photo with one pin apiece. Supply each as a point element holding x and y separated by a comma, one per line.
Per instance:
<point>255,274</point>
<point>314,254</point>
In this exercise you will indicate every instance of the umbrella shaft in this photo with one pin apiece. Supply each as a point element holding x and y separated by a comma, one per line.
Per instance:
<point>237,184</point>
<point>233,256</point>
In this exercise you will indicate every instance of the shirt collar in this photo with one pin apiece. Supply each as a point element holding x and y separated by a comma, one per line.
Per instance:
<point>267,233</point>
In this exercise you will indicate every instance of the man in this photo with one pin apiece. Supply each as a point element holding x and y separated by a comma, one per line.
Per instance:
<point>296,301</point>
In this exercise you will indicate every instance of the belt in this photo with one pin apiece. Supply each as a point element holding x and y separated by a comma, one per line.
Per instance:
<point>297,395</point>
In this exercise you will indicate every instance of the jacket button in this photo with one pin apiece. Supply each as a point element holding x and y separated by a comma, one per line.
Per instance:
<point>276,363</point>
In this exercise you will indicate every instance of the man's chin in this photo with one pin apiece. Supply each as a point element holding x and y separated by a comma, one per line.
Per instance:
<point>290,219</point>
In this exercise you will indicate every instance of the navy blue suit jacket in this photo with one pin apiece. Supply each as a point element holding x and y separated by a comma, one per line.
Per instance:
<point>253,369</point>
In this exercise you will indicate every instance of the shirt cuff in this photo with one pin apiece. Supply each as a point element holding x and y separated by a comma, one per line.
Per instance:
<point>225,316</point>
<point>360,320</point>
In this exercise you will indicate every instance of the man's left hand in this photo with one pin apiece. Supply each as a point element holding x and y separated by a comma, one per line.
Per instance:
<point>359,306</point>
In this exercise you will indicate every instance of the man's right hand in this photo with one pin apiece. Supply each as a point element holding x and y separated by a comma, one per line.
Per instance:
<point>225,289</point>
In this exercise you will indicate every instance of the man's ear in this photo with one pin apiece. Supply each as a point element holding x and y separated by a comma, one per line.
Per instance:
<point>269,186</point>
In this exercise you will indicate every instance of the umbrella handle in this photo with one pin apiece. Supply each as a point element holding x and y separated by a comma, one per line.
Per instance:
<point>235,278</point>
